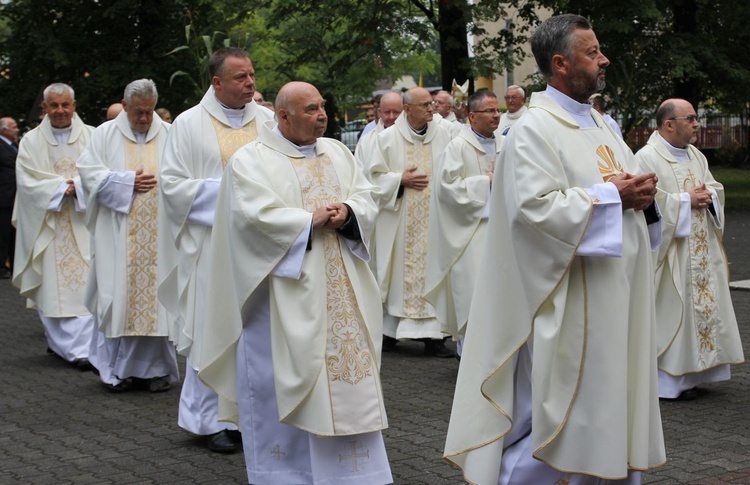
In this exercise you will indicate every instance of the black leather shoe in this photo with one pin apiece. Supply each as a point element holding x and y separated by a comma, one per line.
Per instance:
<point>222,442</point>
<point>83,365</point>
<point>437,348</point>
<point>5,273</point>
<point>158,384</point>
<point>686,395</point>
<point>389,343</point>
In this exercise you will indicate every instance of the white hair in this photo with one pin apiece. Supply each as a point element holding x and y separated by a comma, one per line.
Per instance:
<point>142,88</point>
<point>58,88</point>
<point>523,93</point>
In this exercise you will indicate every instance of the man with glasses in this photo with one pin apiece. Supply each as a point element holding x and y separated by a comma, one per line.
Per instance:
<point>696,326</point>
<point>401,170</point>
<point>515,100</point>
<point>459,209</point>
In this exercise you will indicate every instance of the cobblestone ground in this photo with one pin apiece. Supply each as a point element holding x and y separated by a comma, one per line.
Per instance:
<point>61,426</point>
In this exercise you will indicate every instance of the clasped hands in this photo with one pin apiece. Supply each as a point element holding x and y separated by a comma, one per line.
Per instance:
<point>636,191</point>
<point>331,216</point>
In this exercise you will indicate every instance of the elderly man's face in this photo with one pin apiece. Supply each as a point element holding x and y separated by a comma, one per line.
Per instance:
<point>60,108</point>
<point>390,109</point>
<point>587,66</point>
<point>235,87</point>
<point>309,120</point>
<point>11,130</point>
<point>486,118</point>
<point>443,104</point>
<point>419,111</point>
<point>140,113</point>
<point>514,100</point>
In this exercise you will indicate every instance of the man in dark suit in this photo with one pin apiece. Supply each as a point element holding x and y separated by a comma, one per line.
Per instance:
<point>8,152</point>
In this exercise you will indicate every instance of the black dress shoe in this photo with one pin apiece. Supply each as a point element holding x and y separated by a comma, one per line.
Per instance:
<point>686,395</point>
<point>437,348</point>
<point>123,386</point>
<point>5,273</point>
<point>222,442</point>
<point>83,365</point>
<point>389,343</point>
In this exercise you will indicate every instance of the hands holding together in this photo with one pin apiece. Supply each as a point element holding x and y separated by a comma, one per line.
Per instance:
<point>331,216</point>
<point>700,197</point>
<point>636,191</point>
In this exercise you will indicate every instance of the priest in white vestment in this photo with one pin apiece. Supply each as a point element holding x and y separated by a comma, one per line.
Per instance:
<point>557,383</point>
<point>459,210</point>
<point>391,106</point>
<point>200,143</point>
<point>294,341</point>
<point>402,170</point>
<point>444,114</point>
<point>52,243</point>
<point>515,101</point>
<point>119,171</point>
<point>696,326</point>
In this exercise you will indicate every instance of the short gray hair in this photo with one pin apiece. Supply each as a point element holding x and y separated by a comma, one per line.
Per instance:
<point>58,88</point>
<point>519,88</point>
<point>555,36</point>
<point>142,88</point>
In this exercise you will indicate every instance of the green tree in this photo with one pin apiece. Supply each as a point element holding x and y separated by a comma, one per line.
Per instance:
<point>96,46</point>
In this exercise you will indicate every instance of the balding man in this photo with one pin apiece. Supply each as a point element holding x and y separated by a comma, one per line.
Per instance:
<point>295,319</point>
<point>696,325</point>
<point>52,243</point>
<point>391,106</point>
<point>201,141</point>
<point>113,110</point>
<point>402,170</point>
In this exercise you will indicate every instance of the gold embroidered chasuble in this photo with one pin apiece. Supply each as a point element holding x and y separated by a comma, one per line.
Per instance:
<point>402,225</point>
<point>349,359</point>
<point>589,319</point>
<point>326,324</point>
<point>201,142</point>
<point>122,287</point>
<point>52,254</point>
<point>696,325</point>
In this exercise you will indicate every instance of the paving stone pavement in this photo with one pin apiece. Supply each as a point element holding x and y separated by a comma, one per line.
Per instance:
<point>61,426</point>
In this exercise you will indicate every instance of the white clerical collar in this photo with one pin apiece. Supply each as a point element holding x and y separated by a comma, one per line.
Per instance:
<point>679,154</point>
<point>581,112</point>
<point>487,143</point>
<point>308,151</point>
<point>517,114</point>
<point>62,135</point>
<point>234,115</point>
<point>140,138</point>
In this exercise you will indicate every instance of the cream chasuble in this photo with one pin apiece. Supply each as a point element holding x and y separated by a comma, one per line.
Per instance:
<point>696,325</point>
<point>326,325</point>
<point>200,143</point>
<point>593,402</point>
<point>52,253</point>
<point>457,228</point>
<point>402,225</point>
<point>122,287</point>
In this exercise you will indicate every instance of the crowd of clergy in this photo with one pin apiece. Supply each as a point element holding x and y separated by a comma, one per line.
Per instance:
<point>581,282</point>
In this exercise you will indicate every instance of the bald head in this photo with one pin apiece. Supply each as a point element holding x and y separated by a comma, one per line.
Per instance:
<point>300,111</point>
<point>419,107</point>
<point>391,106</point>
<point>113,110</point>
<point>677,122</point>
<point>443,103</point>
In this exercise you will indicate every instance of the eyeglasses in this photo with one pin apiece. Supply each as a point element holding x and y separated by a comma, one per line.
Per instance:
<point>689,119</point>
<point>491,111</point>
<point>513,97</point>
<point>423,105</point>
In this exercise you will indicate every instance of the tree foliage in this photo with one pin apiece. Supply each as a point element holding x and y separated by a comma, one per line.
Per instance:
<point>96,46</point>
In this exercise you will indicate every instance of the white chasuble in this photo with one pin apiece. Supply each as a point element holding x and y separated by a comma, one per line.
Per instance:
<point>593,400</point>
<point>696,325</point>
<point>52,254</point>
<point>350,366</point>
<point>201,141</point>
<point>457,228</point>
<point>325,348</point>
